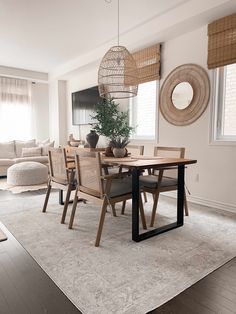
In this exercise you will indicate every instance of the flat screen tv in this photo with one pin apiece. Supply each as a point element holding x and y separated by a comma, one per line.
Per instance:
<point>83,104</point>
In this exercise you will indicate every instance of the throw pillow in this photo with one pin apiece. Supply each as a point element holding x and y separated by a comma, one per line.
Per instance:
<point>44,142</point>
<point>45,148</point>
<point>31,151</point>
<point>22,144</point>
<point>7,150</point>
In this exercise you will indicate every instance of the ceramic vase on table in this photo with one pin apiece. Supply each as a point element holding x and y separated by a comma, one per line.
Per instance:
<point>92,139</point>
<point>119,152</point>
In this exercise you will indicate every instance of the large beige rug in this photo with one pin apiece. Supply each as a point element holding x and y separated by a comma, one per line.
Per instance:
<point>120,276</point>
<point>3,237</point>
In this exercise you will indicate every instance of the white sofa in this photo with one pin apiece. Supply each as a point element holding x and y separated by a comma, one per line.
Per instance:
<point>19,151</point>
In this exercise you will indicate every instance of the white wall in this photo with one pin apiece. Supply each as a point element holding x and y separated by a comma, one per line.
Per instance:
<point>41,106</point>
<point>62,103</point>
<point>216,166</point>
<point>54,112</point>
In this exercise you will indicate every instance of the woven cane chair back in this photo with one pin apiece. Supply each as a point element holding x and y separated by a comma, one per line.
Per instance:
<point>169,152</point>
<point>57,165</point>
<point>88,167</point>
<point>135,150</point>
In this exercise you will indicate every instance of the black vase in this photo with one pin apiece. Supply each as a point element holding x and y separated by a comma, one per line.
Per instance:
<point>92,139</point>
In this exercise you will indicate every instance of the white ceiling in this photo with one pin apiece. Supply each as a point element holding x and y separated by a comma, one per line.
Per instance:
<point>42,35</point>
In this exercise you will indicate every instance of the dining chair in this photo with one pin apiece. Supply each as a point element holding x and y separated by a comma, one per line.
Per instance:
<point>133,150</point>
<point>163,180</point>
<point>100,189</point>
<point>61,176</point>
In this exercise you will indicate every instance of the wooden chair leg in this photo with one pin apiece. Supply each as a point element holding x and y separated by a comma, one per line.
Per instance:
<point>154,208</point>
<point>145,196</point>
<point>47,197</point>
<point>142,212</point>
<point>68,193</point>
<point>123,208</point>
<point>101,222</point>
<point>186,205</point>
<point>72,216</point>
<point>113,209</point>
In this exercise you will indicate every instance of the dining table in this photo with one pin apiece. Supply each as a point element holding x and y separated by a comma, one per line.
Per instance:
<point>138,164</point>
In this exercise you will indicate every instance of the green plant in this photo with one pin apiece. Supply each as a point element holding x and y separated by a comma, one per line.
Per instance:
<point>119,142</point>
<point>112,123</point>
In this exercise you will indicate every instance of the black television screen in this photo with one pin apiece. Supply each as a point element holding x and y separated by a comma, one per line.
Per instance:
<point>83,104</point>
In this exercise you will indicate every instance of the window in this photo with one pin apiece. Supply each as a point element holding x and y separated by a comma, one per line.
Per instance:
<point>143,111</point>
<point>224,113</point>
<point>15,109</point>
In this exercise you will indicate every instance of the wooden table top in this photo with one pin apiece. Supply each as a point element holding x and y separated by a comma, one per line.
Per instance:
<point>147,162</point>
<point>141,161</point>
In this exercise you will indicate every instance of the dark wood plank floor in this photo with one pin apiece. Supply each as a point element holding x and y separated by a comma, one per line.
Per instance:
<point>24,287</point>
<point>214,294</point>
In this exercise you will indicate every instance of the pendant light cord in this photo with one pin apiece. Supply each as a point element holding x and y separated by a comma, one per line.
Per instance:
<point>118,3</point>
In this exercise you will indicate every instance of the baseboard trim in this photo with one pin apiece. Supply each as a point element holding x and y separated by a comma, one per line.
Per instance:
<point>209,203</point>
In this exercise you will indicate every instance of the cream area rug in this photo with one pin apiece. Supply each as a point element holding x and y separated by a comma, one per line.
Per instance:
<point>120,276</point>
<point>4,186</point>
<point>3,237</point>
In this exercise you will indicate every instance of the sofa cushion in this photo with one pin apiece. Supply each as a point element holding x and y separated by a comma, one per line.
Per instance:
<point>45,147</point>
<point>20,144</point>
<point>41,159</point>
<point>41,143</point>
<point>6,162</point>
<point>31,151</point>
<point>7,150</point>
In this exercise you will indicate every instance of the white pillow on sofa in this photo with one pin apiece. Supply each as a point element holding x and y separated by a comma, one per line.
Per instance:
<point>22,144</point>
<point>44,142</point>
<point>7,150</point>
<point>45,147</point>
<point>31,151</point>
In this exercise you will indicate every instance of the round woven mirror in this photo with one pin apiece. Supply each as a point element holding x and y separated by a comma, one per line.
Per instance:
<point>182,95</point>
<point>185,94</point>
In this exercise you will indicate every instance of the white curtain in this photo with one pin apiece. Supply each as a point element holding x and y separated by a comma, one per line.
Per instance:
<point>16,112</point>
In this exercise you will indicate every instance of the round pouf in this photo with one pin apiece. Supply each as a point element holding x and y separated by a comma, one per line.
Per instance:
<point>27,173</point>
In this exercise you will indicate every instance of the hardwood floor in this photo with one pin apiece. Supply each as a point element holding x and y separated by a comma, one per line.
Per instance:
<point>24,287</point>
<point>214,294</point>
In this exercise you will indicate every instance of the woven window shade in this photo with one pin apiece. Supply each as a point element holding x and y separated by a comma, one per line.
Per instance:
<point>148,63</point>
<point>222,42</point>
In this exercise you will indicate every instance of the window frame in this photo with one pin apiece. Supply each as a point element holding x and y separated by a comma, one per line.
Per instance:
<point>216,134</point>
<point>141,139</point>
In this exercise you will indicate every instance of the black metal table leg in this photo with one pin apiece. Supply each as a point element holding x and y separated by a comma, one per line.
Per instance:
<point>135,204</point>
<point>61,201</point>
<point>180,196</point>
<point>135,208</point>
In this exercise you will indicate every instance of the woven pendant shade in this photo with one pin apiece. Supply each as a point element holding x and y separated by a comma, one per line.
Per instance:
<point>117,74</point>
<point>222,42</point>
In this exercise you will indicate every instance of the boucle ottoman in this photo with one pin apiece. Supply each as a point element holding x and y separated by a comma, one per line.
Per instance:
<point>27,173</point>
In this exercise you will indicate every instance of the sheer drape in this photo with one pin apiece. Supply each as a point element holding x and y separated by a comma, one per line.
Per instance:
<point>15,109</point>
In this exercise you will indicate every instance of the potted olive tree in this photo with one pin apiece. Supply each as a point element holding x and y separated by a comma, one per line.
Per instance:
<point>112,123</point>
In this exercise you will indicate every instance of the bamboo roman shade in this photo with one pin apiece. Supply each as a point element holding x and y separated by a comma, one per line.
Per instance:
<point>222,42</point>
<point>148,63</point>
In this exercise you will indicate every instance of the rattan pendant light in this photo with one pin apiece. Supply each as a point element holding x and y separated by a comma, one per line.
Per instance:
<point>118,74</point>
